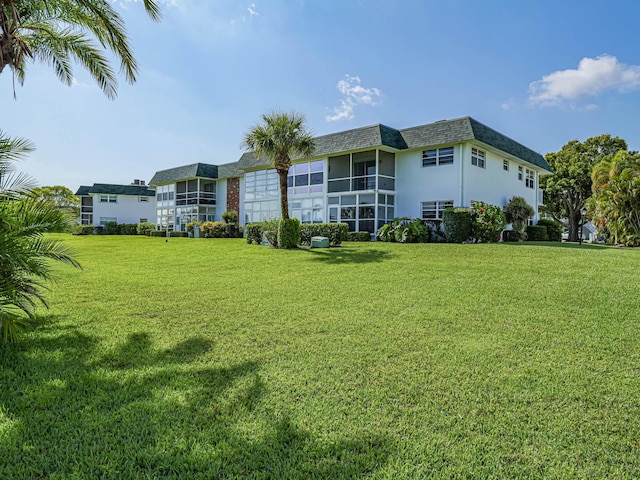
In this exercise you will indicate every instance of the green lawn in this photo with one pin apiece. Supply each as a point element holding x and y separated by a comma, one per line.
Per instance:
<point>217,359</point>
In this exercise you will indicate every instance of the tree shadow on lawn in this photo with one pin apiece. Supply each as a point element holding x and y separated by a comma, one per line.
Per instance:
<point>69,409</point>
<point>571,245</point>
<point>342,255</point>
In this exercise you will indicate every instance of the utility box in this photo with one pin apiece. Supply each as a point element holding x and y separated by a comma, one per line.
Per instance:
<point>196,231</point>
<point>319,242</point>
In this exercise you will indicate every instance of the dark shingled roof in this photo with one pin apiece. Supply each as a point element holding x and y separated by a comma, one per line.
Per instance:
<point>438,133</point>
<point>202,170</point>
<point>229,170</point>
<point>110,189</point>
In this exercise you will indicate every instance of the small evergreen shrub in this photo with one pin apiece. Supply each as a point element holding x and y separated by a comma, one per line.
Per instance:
<point>212,230</point>
<point>511,236</point>
<point>358,237</point>
<point>289,233</point>
<point>335,232</point>
<point>111,228</point>
<point>457,224</point>
<point>98,230</point>
<point>517,212</point>
<point>537,233</point>
<point>404,230</point>
<point>127,229</point>
<point>554,229</point>
<point>270,231</point>
<point>230,216</point>
<point>254,233</point>
<point>144,227</point>
<point>84,230</point>
<point>178,234</point>
<point>156,233</point>
<point>232,230</point>
<point>487,222</point>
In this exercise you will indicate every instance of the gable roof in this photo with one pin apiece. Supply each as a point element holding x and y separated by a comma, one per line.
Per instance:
<point>202,170</point>
<point>438,133</point>
<point>229,170</point>
<point>111,189</point>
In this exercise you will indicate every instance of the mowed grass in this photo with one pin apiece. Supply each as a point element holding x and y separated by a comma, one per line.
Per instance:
<point>217,359</point>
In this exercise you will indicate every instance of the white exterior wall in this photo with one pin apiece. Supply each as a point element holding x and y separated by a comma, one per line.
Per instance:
<point>221,198</point>
<point>493,184</point>
<point>127,209</point>
<point>416,184</point>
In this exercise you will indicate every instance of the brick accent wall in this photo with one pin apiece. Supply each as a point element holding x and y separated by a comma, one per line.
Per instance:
<point>233,194</point>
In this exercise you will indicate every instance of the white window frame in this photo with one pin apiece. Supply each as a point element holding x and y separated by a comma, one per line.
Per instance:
<point>530,178</point>
<point>105,198</point>
<point>505,165</point>
<point>143,199</point>
<point>440,158</point>
<point>104,220</point>
<point>478,158</point>
<point>520,174</point>
<point>436,206</point>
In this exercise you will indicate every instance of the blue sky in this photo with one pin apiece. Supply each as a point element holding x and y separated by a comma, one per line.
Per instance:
<point>542,72</point>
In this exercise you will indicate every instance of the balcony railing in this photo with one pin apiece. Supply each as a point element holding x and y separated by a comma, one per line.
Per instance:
<point>196,198</point>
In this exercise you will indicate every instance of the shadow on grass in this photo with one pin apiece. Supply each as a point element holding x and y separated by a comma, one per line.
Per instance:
<point>347,255</point>
<point>571,245</point>
<point>67,408</point>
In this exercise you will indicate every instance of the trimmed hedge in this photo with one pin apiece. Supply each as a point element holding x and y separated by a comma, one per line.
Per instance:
<point>254,233</point>
<point>335,232</point>
<point>288,233</point>
<point>510,236</point>
<point>145,227</point>
<point>156,233</point>
<point>457,224</point>
<point>178,234</point>
<point>84,230</point>
<point>554,229</point>
<point>537,233</point>
<point>358,237</point>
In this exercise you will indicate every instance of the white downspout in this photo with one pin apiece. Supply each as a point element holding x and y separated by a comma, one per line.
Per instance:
<point>461,178</point>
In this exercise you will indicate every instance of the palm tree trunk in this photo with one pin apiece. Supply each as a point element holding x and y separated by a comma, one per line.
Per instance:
<point>284,193</point>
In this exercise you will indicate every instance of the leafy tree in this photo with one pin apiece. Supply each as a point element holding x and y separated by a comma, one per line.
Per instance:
<point>25,252</point>
<point>280,137</point>
<point>59,32</point>
<point>517,212</point>
<point>569,187</point>
<point>61,197</point>
<point>615,205</point>
<point>487,222</point>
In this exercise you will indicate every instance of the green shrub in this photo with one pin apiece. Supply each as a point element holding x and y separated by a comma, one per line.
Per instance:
<point>212,230</point>
<point>554,229</point>
<point>537,233</point>
<point>487,222</point>
<point>289,233</point>
<point>84,230</point>
<point>144,227</point>
<point>358,237</point>
<point>230,217</point>
<point>335,232</point>
<point>190,226</point>
<point>156,233</point>
<point>178,234</point>
<point>111,228</point>
<point>254,233</point>
<point>517,212</point>
<point>404,230</point>
<point>127,229</point>
<point>232,230</point>
<point>457,224</point>
<point>511,236</point>
<point>270,231</point>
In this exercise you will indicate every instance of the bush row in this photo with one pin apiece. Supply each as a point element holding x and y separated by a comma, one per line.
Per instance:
<point>358,237</point>
<point>274,233</point>
<point>216,229</point>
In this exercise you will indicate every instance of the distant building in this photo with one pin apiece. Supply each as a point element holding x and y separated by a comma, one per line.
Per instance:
<point>102,203</point>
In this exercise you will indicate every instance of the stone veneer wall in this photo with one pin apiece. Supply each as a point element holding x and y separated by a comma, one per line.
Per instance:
<point>233,194</point>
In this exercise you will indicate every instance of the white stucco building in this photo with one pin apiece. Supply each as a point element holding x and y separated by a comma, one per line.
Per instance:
<point>102,203</point>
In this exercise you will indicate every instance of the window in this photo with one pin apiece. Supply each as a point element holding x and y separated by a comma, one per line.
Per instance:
<point>434,210</point>
<point>505,165</point>
<point>104,220</point>
<point>530,181</point>
<point>437,156</point>
<point>520,173</point>
<point>143,199</point>
<point>478,157</point>
<point>108,198</point>
<point>305,178</point>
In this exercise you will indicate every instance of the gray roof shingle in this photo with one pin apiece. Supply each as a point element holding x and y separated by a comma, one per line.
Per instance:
<point>202,170</point>
<point>111,189</point>
<point>438,133</point>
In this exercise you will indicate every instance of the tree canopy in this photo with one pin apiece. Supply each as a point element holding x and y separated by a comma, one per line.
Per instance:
<point>569,187</point>
<point>279,137</point>
<point>60,196</point>
<point>61,32</point>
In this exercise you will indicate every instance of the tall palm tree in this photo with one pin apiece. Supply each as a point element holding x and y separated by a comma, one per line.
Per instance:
<point>279,137</point>
<point>58,32</point>
<point>25,252</point>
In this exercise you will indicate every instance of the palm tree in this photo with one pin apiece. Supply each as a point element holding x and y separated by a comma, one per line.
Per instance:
<point>280,137</point>
<point>58,32</point>
<point>25,252</point>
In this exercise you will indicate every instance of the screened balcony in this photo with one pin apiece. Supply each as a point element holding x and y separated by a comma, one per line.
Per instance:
<point>363,171</point>
<point>196,192</point>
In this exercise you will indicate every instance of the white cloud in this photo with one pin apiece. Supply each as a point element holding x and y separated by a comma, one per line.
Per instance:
<point>353,94</point>
<point>593,76</point>
<point>252,10</point>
